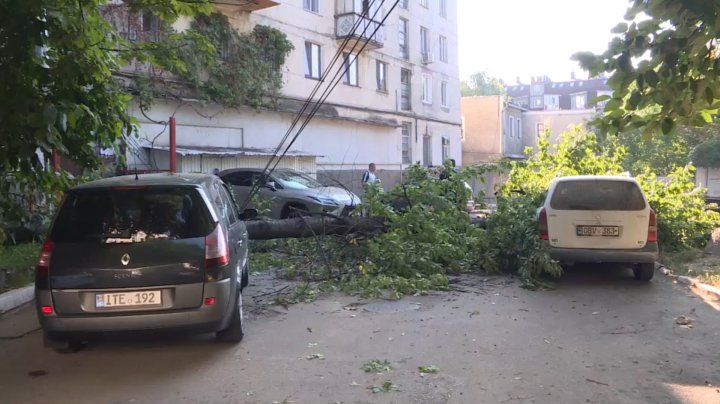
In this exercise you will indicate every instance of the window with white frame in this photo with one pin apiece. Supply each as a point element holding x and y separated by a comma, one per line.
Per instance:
<point>518,129</point>
<point>403,4</point>
<point>427,89</point>
<point>312,60</point>
<point>350,69</point>
<point>311,5</point>
<point>425,3</point>
<point>539,128</point>
<point>443,8</point>
<point>406,149</point>
<point>444,94</point>
<point>579,101</point>
<point>381,75</point>
<point>403,40</point>
<point>443,49</point>
<point>424,40</point>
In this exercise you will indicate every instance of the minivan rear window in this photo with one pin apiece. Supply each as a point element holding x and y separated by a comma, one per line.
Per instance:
<point>129,215</point>
<point>597,195</point>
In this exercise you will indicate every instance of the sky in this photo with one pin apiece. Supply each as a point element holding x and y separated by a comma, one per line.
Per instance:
<point>511,38</point>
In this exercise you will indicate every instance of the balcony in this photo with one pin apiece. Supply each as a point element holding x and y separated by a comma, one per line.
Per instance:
<point>344,24</point>
<point>247,5</point>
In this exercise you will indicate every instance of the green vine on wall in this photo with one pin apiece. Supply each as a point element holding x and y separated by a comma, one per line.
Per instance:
<point>248,70</point>
<point>215,62</point>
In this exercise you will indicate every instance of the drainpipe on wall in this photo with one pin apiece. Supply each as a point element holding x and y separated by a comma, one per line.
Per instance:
<point>173,156</point>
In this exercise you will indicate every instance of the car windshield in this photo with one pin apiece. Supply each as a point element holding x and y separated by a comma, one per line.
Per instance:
<point>295,180</point>
<point>130,215</point>
<point>597,195</point>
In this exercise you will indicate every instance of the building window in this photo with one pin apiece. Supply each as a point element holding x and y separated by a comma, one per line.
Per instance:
<point>443,49</point>
<point>518,129</point>
<point>143,27</point>
<point>443,8</point>
<point>427,89</point>
<point>405,90</point>
<point>425,3</point>
<point>312,60</point>
<point>445,149</point>
<point>406,130</point>
<point>444,94</point>
<point>381,74</point>
<point>404,4</point>
<point>540,128</point>
<point>350,69</point>
<point>427,150</point>
<point>403,40</point>
<point>424,40</point>
<point>509,126</point>
<point>579,101</point>
<point>311,5</point>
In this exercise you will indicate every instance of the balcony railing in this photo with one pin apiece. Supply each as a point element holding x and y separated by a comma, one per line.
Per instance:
<point>365,31</point>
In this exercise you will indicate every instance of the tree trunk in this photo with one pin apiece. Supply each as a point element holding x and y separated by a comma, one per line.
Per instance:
<point>310,226</point>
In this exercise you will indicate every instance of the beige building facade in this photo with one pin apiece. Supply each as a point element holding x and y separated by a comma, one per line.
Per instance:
<point>397,104</point>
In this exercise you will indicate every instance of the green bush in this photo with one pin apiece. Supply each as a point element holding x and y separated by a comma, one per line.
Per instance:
<point>684,220</point>
<point>19,263</point>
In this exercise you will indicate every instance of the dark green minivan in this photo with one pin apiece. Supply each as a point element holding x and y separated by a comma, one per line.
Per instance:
<point>147,252</point>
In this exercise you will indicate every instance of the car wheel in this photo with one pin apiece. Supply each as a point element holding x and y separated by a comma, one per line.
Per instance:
<point>293,211</point>
<point>245,278</point>
<point>234,331</point>
<point>62,345</point>
<point>644,272</point>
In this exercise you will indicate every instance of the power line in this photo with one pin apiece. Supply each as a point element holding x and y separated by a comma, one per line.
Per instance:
<point>309,100</point>
<point>328,90</point>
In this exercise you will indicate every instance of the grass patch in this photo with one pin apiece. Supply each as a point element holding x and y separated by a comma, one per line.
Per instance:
<point>18,263</point>
<point>696,263</point>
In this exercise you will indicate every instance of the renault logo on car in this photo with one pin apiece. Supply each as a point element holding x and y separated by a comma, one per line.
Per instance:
<point>125,259</point>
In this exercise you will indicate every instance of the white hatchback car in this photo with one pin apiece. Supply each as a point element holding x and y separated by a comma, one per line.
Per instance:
<point>600,219</point>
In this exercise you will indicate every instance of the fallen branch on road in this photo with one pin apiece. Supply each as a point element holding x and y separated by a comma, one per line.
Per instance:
<point>311,226</point>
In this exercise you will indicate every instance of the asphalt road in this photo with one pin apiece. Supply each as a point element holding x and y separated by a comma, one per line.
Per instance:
<point>600,337</point>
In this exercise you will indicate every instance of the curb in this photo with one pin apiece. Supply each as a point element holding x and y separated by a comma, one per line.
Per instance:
<point>16,298</point>
<point>691,282</point>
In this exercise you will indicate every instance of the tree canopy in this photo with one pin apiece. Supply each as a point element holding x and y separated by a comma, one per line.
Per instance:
<point>665,54</point>
<point>69,67</point>
<point>482,84</point>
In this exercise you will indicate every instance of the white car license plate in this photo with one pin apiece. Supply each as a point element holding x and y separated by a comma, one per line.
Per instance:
<point>598,231</point>
<point>124,299</point>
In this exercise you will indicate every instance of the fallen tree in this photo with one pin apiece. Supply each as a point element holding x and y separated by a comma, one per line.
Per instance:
<point>301,227</point>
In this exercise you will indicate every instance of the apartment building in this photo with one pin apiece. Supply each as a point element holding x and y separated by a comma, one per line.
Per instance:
<point>398,103</point>
<point>555,106</point>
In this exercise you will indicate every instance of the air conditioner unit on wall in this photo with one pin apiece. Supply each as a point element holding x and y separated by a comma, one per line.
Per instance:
<point>428,57</point>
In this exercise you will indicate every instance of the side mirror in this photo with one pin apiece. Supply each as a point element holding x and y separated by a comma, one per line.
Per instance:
<point>249,214</point>
<point>271,185</point>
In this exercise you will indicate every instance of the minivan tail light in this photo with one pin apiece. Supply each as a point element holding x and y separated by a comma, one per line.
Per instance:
<point>652,228</point>
<point>43,264</point>
<point>543,225</point>
<point>216,248</point>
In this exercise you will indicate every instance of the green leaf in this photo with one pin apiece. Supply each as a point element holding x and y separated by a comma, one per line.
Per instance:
<point>620,28</point>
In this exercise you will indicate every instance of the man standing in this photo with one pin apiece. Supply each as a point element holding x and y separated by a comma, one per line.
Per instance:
<point>369,175</point>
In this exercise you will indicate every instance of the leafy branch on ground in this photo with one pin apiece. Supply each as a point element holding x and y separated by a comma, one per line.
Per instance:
<point>431,369</point>
<point>376,366</point>
<point>386,387</point>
